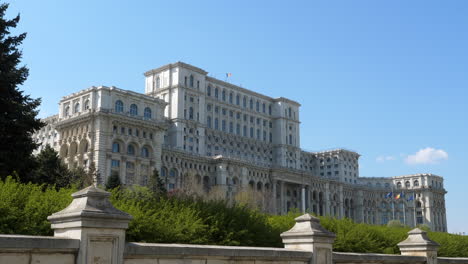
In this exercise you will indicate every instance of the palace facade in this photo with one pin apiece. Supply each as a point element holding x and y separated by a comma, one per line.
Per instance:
<point>194,128</point>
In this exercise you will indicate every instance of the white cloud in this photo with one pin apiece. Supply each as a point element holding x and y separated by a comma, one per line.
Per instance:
<point>427,156</point>
<point>384,158</point>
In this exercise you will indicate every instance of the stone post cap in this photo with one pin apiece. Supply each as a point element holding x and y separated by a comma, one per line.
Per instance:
<point>308,226</point>
<point>90,208</point>
<point>418,240</point>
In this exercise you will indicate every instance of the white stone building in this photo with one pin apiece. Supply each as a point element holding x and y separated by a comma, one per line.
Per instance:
<point>193,127</point>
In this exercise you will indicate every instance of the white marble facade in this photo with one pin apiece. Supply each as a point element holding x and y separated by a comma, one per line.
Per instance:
<point>191,126</point>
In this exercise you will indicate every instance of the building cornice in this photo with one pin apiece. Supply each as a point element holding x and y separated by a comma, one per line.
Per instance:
<point>174,65</point>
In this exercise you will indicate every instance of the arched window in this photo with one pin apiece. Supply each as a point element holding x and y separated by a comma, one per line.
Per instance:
<point>398,184</point>
<point>416,183</point>
<point>163,171</point>
<point>86,105</point>
<point>158,82</point>
<point>133,110</point>
<point>208,90</point>
<point>66,111</point>
<point>77,108</point>
<point>173,173</point>
<point>147,113</point>
<point>216,93</point>
<point>407,184</point>
<point>145,152</point>
<point>118,106</point>
<point>191,80</point>
<point>131,150</point>
<point>115,147</point>
<point>418,204</point>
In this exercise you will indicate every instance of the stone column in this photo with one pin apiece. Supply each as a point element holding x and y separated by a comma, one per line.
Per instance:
<point>418,244</point>
<point>98,225</point>
<point>341,202</point>
<point>303,200</point>
<point>282,203</point>
<point>327,199</point>
<point>275,201</point>
<point>308,235</point>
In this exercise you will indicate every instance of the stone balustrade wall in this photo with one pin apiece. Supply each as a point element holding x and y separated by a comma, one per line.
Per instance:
<point>91,230</point>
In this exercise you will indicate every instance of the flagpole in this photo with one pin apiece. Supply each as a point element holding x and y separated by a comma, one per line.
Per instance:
<point>404,211</point>
<point>414,209</point>
<point>393,206</point>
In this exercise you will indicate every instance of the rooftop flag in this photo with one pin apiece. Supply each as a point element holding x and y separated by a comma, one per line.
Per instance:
<point>228,75</point>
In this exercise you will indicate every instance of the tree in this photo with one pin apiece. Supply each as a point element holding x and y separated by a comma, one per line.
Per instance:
<point>156,184</point>
<point>82,177</point>
<point>113,181</point>
<point>18,112</point>
<point>50,169</point>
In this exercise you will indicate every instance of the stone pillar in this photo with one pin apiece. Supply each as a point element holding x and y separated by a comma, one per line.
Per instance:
<point>282,203</point>
<point>327,199</point>
<point>308,235</point>
<point>98,225</point>
<point>275,201</point>
<point>341,202</point>
<point>303,199</point>
<point>418,244</point>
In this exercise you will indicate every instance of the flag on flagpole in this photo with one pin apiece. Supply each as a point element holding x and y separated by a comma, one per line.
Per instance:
<point>389,195</point>
<point>398,196</point>
<point>228,75</point>
<point>411,198</point>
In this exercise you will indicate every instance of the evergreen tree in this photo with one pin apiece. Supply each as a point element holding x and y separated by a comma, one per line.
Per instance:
<point>156,184</point>
<point>50,169</point>
<point>113,181</point>
<point>18,112</point>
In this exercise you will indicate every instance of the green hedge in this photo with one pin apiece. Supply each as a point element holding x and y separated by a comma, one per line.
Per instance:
<point>24,209</point>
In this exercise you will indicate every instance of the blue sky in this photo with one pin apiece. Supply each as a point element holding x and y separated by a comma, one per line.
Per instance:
<point>385,78</point>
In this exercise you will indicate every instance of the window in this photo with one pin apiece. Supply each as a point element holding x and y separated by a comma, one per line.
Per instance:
<point>230,98</point>
<point>191,113</point>
<point>407,184</point>
<point>131,150</point>
<point>191,81</point>
<point>269,109</point>
<point>251,132</point>
<point>116,147</point>
<point>237,129</point>
<point>223,125</point>
<point>216,125</point>
<point>398,185</point>
<point>208,121</point>
<point>147,113</point>
<point>224,95</point>
<point>416,183</point>
<point>237,99</point>
<point>158,82</point>
<point>257,106</point>
<point>86,105</point>
<point>118,106</point>
<point>145,152</point>
<point>216,93</point>
<point>263,107</point>
<point>231,127</point>
<point>133,110</point>
<point>208,90</point>
<point>77,108</point>
<point>251,104</point>
<point>244,131</point>
<point>115,163</point>
<point>244,102</point>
